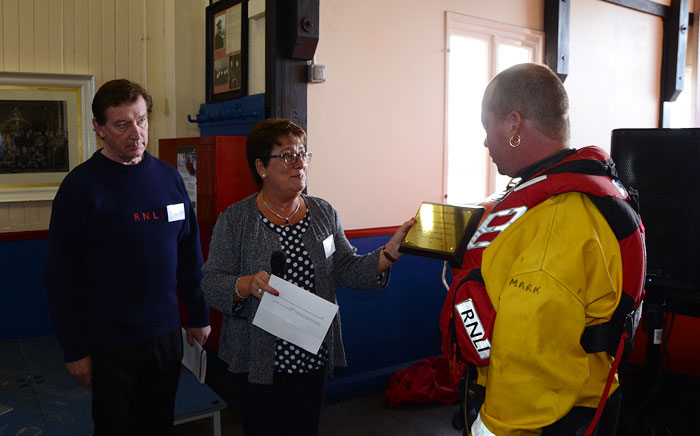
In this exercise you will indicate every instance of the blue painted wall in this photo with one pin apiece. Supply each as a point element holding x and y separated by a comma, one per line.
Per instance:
<point>388,329</point>
<point>24,312</point>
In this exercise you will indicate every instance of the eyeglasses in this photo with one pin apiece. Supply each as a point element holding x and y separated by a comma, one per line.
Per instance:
<point>290,158</point>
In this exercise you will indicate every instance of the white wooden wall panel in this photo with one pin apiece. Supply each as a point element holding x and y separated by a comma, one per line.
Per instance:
<point>94,40</point>
<point>2,49</point>
<point>155,81</point>
<point>82,29</point>
<point>121,39</point>
<point>55,36</point>
<point>10,40</point>
<point>109,39</point>
<point>136,36</point>
<point>4,218</point>
<point>26,36</point>
<point>68,32</point>
<point>256,55</point>
<point>41,35</point>
<point>30,213</point>
<point>169,30</point>
<point>16,215</point>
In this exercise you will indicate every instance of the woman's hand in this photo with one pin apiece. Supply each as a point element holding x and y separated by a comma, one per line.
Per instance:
<point>255,285</point>
<point>391,250</point>
<point>395,242</point>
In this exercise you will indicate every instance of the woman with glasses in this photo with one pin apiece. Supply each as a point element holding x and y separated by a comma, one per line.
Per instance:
<point>299,238</point>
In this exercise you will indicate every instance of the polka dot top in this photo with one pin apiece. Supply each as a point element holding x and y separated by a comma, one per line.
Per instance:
<point>299,271</point>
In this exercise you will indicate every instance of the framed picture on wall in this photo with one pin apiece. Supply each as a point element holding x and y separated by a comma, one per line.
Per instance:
<point>45,131</point>
<point>226,50</point>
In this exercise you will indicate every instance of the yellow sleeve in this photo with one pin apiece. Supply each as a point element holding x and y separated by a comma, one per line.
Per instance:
<point>552,272</point>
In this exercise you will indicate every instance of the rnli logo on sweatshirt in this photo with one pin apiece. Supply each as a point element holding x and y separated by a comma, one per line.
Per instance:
<point>149,215</point>
<point>474,327</point>
<point>172,212</point>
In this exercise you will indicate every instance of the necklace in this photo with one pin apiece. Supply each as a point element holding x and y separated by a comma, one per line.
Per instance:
<point>286,219</point>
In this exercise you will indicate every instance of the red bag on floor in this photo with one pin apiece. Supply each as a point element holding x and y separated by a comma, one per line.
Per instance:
<point>427,381</point>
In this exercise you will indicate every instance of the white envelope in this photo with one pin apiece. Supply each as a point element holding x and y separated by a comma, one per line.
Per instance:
<point>194,358</point>
<point>296,315</point>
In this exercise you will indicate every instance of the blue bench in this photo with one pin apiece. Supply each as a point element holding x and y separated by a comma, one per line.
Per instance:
<point>35,383</point>
<point>196,401</point>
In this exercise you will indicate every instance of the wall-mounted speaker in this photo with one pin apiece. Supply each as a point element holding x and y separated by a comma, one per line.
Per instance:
<point>304,29</point>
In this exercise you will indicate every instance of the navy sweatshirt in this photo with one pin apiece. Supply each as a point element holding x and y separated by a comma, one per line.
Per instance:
<point>123,240</point>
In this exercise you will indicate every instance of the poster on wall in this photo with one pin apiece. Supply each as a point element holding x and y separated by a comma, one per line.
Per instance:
<point>226,50</point>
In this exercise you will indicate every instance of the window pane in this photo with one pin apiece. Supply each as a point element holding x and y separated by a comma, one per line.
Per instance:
<point>477,50</point>
<point>509,55</point>
<point>468,76</point>
<point>682,112</point>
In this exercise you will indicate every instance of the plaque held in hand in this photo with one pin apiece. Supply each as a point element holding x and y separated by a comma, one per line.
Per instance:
<point>442,231</point>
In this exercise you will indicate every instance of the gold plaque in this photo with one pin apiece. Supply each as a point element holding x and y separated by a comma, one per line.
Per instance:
<point>442,231</point>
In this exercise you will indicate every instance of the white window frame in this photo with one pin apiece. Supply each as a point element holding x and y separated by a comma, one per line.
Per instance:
<point>495,33</point>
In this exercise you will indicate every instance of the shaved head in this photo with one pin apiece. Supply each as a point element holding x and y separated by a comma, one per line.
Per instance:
<point>536,93</point>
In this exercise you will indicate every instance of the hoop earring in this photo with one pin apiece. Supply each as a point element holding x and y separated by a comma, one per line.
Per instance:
<point>516,143</point>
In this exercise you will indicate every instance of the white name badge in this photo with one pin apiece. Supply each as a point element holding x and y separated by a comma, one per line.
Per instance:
<point>176,212</point>
<point>329,246</point>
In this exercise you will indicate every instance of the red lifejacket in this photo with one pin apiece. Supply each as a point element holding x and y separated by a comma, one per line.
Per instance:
<point>467,317</point>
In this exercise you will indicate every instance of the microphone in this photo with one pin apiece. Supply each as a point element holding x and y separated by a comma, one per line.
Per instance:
<point>278,261</point>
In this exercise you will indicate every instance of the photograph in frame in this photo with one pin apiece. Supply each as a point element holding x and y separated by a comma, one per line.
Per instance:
<point>226,50</point>
<point>45,131</point>
<point>33,136</point>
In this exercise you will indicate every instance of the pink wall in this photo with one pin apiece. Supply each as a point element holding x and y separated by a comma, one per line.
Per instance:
<point>615,70</point>
<point>376,126</point>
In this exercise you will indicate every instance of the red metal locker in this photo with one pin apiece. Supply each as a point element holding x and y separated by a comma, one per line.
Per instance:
<point>217,175</point>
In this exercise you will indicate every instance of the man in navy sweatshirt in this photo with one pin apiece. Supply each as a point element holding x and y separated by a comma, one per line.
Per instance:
<point>123,241</point>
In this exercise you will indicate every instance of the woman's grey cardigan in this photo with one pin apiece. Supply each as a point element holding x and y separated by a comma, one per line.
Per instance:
<point>241,245</point>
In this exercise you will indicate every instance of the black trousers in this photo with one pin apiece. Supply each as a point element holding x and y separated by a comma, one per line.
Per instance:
<point>134,386</point>
<point>576,422</point>
<point>291,406</point>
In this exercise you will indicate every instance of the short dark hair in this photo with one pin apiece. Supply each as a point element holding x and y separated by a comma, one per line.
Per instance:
<point>264,136</point>
<point>115,93</point>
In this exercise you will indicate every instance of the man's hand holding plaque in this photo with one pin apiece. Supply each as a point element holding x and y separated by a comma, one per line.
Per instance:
<point>442,231</point>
